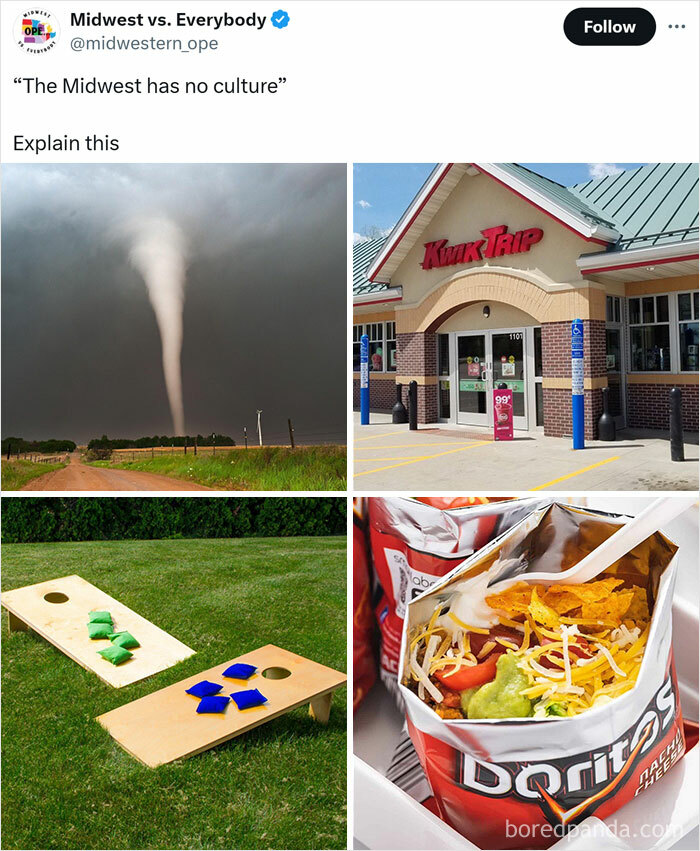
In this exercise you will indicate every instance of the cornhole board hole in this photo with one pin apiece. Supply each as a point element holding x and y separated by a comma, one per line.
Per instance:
<point>165,726</point>
<point>58,611</point>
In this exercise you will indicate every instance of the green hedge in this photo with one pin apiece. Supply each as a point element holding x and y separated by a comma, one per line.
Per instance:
<point>31,519</point>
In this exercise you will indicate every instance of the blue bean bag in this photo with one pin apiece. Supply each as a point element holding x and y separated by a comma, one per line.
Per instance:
<point>203,689</point>
<point>246,699</point>
<point>239,671</point>
<point>212,703</point>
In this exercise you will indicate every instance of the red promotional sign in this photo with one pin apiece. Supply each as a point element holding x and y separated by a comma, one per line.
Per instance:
<point>502,414</point>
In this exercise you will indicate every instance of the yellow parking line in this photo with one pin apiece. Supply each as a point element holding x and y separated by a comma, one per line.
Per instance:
<point>420,445</point>
<point>415,460</point>
<point>400,458</point>
<point>388,434</point>
<point>577,473</point>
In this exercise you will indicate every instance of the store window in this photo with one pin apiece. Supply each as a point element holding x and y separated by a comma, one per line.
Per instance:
<point>612,350</point>
<point>612,309</point>
<point>539,394</point>
<point>650,334</point>
<point>688,315</point>
<point>390,362</point>
<point>356,335</point>
<point>375,332</point>
<point>444,373</point>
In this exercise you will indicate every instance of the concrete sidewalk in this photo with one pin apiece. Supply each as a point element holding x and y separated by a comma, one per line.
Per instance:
<point>448,458</point>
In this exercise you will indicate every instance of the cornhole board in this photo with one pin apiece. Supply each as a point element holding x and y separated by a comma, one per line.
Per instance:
<point>165,726</point>
<point>63,622</point>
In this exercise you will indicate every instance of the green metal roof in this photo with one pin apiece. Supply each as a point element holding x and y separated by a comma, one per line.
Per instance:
<point>561,195</point>
<point>654,204</point>
<point>362,255</point>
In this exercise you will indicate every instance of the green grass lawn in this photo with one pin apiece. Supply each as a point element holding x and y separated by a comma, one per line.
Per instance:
<point>67,784</point>
<point>16,474</point>
<point>321,468</point>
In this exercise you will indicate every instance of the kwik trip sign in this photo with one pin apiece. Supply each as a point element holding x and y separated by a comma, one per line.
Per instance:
<point>496,242</point>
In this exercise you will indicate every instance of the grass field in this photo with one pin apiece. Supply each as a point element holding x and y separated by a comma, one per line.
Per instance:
<point>67,784</point>
<point>16,474</point>
<point>305,468</point>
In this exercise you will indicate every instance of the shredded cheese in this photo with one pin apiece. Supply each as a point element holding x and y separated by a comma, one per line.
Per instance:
<point>486,649</point>
<point>466,626</point>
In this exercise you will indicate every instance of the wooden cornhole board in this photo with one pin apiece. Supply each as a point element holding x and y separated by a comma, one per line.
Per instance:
<point>64,624</point>
<point>165,726</point>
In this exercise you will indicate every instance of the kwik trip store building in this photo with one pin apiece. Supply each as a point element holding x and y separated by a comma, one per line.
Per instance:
<point>479,281</point>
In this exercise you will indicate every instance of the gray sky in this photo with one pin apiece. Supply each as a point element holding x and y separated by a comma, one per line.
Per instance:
<point>264,312</point>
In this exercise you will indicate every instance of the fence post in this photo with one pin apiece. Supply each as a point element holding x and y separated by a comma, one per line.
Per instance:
<point>291,433</point>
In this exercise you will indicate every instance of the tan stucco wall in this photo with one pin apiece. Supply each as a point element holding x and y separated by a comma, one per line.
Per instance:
<point>360,318</point>
<point>662,378</point>
<point>378,376</point>
<point>480,202</point>
<point>542,303</point>
<point>662,285</point>
<point>472,318</point>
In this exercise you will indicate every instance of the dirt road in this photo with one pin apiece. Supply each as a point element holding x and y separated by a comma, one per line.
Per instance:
<point>82,477</point>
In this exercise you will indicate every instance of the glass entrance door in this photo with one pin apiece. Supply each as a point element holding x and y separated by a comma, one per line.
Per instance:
<point>486,359</point>
<point>472,384</point>
<point>508,358</point>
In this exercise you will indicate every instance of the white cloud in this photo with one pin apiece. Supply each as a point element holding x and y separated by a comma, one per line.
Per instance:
<point>358,237</point>
<point>596,170</point>
<point>364,204</point>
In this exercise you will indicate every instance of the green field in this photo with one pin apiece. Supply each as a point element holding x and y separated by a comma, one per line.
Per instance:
<point>67,784</point>
<point>16,474</point>
<point>321,468</point>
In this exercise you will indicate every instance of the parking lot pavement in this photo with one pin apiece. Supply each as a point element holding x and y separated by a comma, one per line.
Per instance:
<point>438,458</point>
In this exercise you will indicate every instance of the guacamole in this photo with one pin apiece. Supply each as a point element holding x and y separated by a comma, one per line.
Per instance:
<point>500,698</point>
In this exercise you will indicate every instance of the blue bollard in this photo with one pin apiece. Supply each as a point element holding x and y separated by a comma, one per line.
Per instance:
<point>364,380</point>
<point>577,383</point>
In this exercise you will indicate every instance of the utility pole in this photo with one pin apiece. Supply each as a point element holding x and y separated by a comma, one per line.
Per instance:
<point>291,433</point>
<point>259,428</point>
<point>213,443</point>
<point>245,435</point>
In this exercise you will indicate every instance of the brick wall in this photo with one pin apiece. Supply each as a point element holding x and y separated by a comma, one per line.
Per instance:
<point>382,394</point>
<point>556,363</point>
<point>648,406</point>
<point>416,355</point>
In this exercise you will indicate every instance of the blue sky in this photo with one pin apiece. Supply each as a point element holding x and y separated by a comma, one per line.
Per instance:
<point>382,191</point>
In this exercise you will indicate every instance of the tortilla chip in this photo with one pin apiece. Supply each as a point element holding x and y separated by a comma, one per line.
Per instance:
<point>561,600</point>
<point>514,600</point>
<point>638,610</point>
<point>541,612</point>
<point>589,592</point>
<point>613,608</point>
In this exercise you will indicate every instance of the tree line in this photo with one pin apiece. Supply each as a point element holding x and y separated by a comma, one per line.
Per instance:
<point>18,445</point>
<point>105,442</point>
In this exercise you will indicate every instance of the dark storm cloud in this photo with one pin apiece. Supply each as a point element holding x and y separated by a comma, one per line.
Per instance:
<point>265,303</point>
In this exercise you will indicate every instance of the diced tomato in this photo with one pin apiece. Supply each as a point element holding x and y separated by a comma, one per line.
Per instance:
<point>469,677</point>
<point>477,640</point>
<point>578,646</point>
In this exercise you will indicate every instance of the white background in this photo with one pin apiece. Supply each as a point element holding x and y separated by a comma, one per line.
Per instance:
<point>373,81</point>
